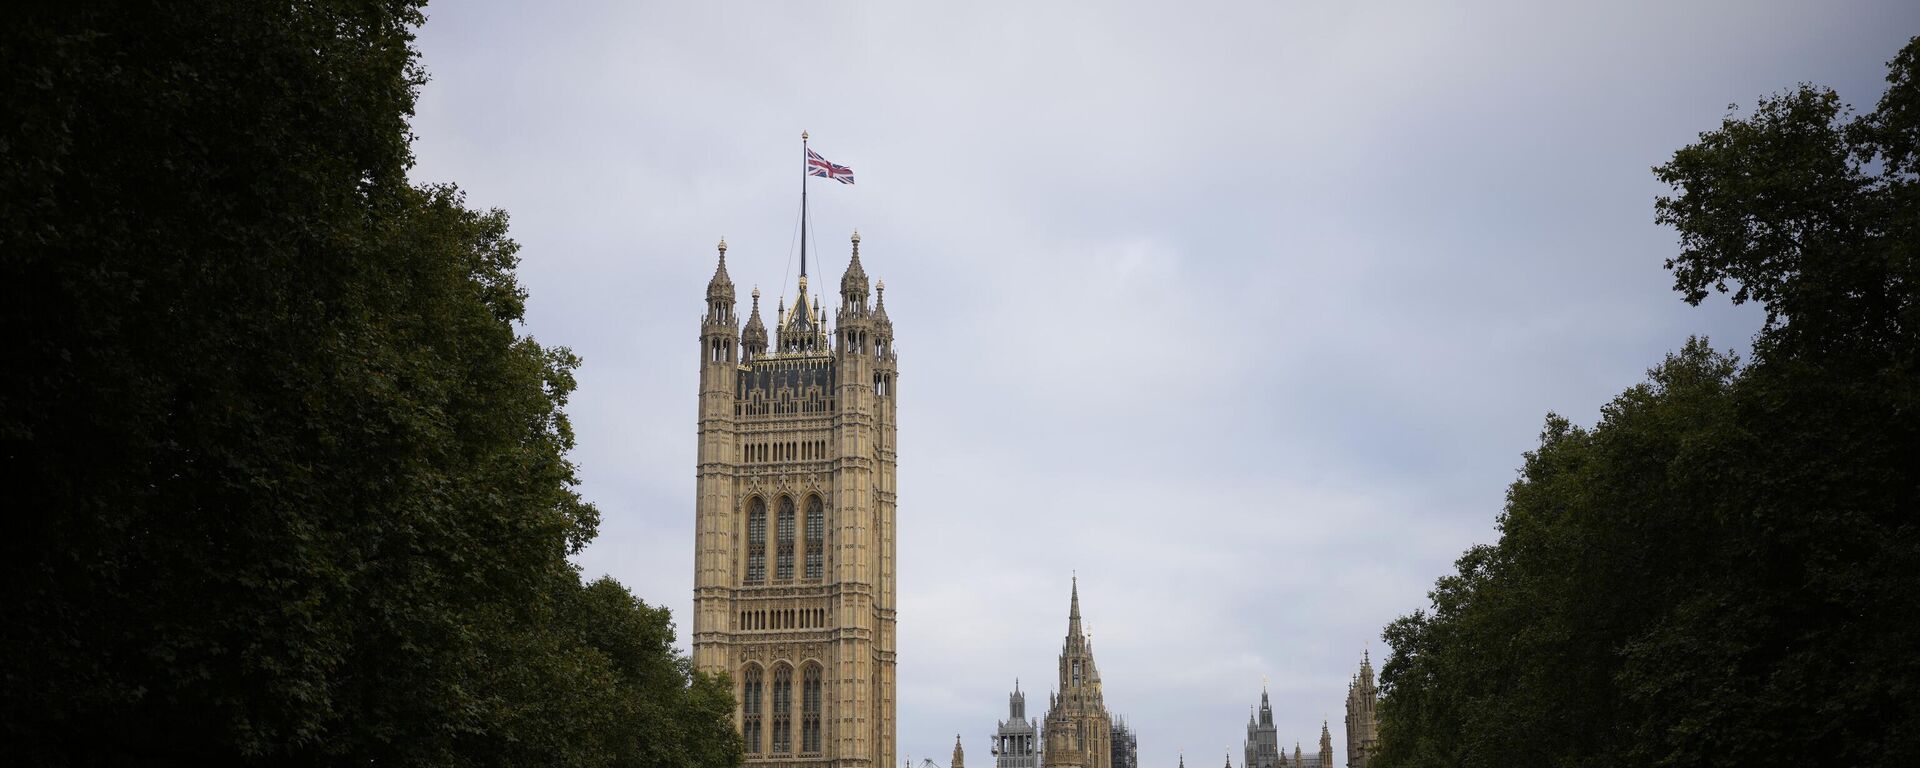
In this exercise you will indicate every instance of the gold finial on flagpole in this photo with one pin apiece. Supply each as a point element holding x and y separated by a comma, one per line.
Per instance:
<point>803,135</point>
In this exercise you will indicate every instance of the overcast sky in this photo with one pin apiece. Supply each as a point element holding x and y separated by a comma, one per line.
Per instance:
<point>1245,312</point>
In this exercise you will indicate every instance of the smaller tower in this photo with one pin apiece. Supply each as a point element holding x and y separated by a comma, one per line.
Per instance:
<point>717,329</point>
<point>959,756</point>
<point>753,340</point>
<point>1263,740</point>
<point>1016,740</point>
<point>1326,745</point>
<point>1363,725</point>
<point>714,488</point>
<point>1079,730</point>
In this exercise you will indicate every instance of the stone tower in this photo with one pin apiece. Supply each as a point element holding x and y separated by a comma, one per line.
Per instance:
<point>959,756</point>
<point>1017,740</point>
<point>1078,729</point>
<point>1363,726</point>
<point>794,523</point>
<point>1262,747</point>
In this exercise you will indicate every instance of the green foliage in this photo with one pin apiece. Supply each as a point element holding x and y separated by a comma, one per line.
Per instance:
<point>1722,570</point>
<point>289,487</point>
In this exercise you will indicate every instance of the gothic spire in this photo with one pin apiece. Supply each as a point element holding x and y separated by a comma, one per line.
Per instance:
<point>1073,613</point>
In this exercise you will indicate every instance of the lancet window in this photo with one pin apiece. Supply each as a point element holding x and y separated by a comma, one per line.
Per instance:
<point>757,541</point>
<point>750,684</point>
<point>810,710</point>
<point>816,539</point>
<point>782,709</point>
<point>783,560</point>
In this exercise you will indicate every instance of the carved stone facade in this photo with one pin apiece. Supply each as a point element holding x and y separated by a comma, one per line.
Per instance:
<point>794,562</point>
<point>1363,725</point>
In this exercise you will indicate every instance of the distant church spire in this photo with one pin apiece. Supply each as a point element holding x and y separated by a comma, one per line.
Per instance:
<point>1079,730</point>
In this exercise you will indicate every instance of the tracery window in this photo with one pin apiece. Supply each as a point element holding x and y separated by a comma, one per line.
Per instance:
<point>750,684</point>
<point>783,562</point>
<point>816,539</point>
<point>757,542</point>
<point>782,709</point>
<point>810,710</point>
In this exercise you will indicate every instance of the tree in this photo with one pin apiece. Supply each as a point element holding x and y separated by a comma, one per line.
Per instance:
<point>1721,571</point>
<point>290,487</point>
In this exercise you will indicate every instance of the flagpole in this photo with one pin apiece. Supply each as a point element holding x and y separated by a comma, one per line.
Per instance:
<point>803,205</point>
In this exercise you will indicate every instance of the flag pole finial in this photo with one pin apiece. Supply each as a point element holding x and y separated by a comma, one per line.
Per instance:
<point>803,135</point>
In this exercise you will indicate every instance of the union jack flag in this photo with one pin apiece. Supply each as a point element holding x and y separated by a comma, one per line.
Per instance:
<point>818,166</point>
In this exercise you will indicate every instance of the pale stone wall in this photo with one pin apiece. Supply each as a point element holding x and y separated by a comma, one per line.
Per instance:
<point>790,599</point>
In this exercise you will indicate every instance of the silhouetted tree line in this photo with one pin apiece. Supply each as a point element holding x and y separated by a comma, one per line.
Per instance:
<point>286,486</point>
<point>1725,570</point>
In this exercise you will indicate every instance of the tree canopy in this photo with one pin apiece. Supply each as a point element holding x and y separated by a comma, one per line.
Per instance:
<point>290,485</point>
<point>1722,571</point>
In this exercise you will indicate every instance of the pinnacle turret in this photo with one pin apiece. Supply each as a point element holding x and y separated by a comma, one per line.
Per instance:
<point>720,288</point>
<point>754,338</point>
<point>853,284</point>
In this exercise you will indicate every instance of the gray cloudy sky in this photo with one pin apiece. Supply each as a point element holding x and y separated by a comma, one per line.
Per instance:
<point>1244,311</point>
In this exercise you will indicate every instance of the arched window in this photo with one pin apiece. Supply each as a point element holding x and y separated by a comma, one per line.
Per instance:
<point>816,539</point>
<point>757,541</point>
<point>782,709</point>
<point>750,684</point>
<point>810,710</point>
<point>783,558</point>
